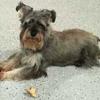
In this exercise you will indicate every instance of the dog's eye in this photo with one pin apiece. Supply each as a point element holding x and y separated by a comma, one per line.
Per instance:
<point>24,24</point>
<point>47,24</point>
<point>31,21</point>
<point>27,23</point>
<point>41,25</point>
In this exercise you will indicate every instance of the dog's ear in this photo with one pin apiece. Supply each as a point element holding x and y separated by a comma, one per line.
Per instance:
<point>53,15</point>
<point>20,4</point>
<point>49,15</point>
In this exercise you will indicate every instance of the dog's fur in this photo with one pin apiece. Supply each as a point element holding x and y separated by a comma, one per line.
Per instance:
<point>42,47</point>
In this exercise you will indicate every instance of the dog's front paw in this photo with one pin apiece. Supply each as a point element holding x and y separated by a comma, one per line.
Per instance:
<point>2,75</point>
<point>2,69</point>
<point>40,73</point>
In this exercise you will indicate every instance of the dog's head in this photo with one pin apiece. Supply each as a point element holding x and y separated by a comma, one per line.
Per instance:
<point>35,26</point>
<point>39,21</point>
<point>23,10</point>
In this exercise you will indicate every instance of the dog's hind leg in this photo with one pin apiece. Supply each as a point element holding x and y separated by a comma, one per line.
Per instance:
<point>91,58</point>
<point>82,57</point>
<point>86,59</point>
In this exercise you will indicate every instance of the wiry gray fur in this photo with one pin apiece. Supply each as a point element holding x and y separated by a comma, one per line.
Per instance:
<point>60,48</point>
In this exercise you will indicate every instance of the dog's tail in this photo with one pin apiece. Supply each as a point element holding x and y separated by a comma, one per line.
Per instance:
<point>98,39</point>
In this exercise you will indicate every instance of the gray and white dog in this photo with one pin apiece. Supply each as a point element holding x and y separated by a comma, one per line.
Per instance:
<point>41,46</point>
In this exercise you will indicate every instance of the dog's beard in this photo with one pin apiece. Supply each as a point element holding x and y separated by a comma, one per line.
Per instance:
<point>34,43</point>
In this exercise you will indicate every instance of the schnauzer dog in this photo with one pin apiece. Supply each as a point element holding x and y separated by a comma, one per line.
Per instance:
<point>41,46</point>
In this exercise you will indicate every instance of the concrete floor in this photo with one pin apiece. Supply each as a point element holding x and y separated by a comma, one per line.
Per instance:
<point>68,83</point>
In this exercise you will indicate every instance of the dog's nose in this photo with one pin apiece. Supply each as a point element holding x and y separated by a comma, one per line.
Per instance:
<point>33,33</point>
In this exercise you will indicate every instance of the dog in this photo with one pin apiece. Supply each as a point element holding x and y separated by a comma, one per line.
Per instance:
<point>41,46</point>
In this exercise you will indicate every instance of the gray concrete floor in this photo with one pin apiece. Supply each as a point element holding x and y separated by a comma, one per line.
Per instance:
<point>68,83</point>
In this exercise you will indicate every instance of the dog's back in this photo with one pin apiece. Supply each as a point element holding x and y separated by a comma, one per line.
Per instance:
<point>65,47</point>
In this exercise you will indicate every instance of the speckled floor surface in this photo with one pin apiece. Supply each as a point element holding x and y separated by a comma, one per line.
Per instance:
<point>67,83</point>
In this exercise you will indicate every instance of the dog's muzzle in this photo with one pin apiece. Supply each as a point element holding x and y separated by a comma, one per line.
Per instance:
<point>34,43</point>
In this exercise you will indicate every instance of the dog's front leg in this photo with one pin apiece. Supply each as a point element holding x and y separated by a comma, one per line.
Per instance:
<point>22,73</point>
<point>17,74</point>
<point>12,62</point>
